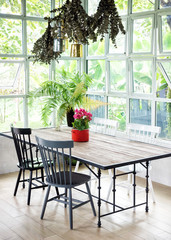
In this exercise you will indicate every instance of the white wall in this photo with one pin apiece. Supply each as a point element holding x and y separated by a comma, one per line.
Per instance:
<point>161,169</point>
<point>8,157</point>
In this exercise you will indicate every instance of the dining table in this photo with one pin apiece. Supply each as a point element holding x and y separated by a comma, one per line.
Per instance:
<point>106,152</point>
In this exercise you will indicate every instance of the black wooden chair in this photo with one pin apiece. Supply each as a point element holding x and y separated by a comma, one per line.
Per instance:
<point>56,157</point>
<point>27,154</point>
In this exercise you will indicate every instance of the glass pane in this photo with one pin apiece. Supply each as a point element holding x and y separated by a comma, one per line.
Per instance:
<point>11,36</point>
<point>117,111</point>
<point>35,30</point>
<point>10,7</point>
<point>38,73</point>
<point>164,118</point>
<point>120,42</point>
<point>58,3</point>
<point>142,76</point>
<point>67,65</point>
<point>166,33</point>
<point>96,70</point>
<point>142,35</point>
<point>97,106</point>
<point>140,111</point>
<point>118,76</point>
<point>96,48</point>
<point>11,112</point>
<point>38,8</point>
<point>121,6</point>
<point>143,5</point>
<point>11,78</point>
<point>34,114</point>
<point>165,3</point>
<point>163,80</point>
<point>92,6</point>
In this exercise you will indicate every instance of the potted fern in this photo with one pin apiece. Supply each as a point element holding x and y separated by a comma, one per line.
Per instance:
<point>64,94</point>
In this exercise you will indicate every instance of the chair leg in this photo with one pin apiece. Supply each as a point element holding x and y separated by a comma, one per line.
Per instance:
<point>91,200</point>
<point>65,205</point>
<point>70,209</point>
<point>57,192</point>
<point>24,178</point>
<point>17,183</point>
<point>42,175</point>
<point>152,190</point>
<point>45,202</point>
<point>29,189</point>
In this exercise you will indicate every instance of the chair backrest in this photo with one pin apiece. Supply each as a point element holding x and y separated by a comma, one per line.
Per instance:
<point>106,126</point>
<point>143,133</point>
<point>23,146</point>
<point>56,158</point>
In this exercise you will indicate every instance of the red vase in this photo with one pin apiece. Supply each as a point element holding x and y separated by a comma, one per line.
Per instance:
<point>80,136</point>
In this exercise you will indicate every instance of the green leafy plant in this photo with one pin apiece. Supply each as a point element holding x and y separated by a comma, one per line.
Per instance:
<point>64,94</point>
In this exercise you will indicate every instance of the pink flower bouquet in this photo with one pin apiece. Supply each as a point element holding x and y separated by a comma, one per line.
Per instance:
<point>81,119</point>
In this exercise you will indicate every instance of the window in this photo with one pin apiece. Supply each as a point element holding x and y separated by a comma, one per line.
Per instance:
<point>131,83</point>
<point>142,76</point>
<point>142,35</point>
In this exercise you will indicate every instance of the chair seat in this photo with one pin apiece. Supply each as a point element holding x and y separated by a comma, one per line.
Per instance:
<point>77,179</point>
<point>37,164</point>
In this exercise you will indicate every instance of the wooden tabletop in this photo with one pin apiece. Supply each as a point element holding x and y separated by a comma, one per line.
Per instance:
<point>106,151</point>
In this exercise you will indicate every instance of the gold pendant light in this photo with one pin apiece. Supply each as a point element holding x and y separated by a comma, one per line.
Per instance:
<point>76,50</point>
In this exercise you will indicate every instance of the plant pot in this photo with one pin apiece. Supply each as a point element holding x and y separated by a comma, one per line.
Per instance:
<point>80,136</point>
<point>70,117</point>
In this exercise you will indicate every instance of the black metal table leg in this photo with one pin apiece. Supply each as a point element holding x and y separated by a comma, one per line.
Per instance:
<point>114,188</point>
<point>134,186</point>
<point>147,187</point>
<point>99,197</point>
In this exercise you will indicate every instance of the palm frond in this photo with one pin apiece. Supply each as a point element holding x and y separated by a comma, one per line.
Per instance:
<point>91,104</point>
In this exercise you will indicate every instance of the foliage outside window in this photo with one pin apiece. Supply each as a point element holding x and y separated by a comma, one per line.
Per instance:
<point>10,7</point>
<point>143,5</point>
<point>33,8</point>
<point>11,112</point>
<point>142,76</point>
<point>163,112</point>
<point>122,6</point>
<point>10,35</point>
<point>34,31</point>
<point>100,111</point>
<point>117,111</point>
<point>140,111</point>
<point>38,73</point>
<point>120,42</point>
<point>67,65</point>
<point>166,33</point>
<point>118,76</point>
<point>13,74</point>
<point>96,70</point>
<point>34,114</point>
<point>163,80</point>
<point>96,48</point>
<point>142,35</point>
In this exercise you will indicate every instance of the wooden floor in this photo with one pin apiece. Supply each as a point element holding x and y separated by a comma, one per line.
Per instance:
<point>19,221</point>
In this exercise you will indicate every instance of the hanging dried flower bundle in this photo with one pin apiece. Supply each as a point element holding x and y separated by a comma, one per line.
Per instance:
<point>77,25</point>
<point>43,47</point>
